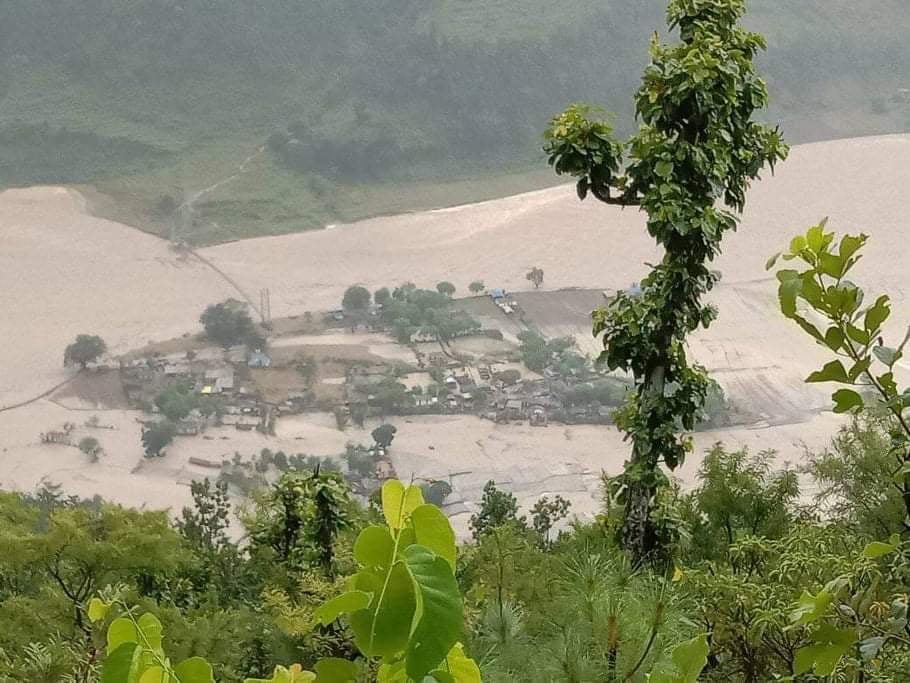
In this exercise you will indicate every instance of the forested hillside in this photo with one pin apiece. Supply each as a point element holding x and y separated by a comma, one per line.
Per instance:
<point>154,100</point>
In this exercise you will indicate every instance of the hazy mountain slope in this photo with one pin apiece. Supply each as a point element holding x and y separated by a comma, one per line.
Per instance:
<point>154,98</point>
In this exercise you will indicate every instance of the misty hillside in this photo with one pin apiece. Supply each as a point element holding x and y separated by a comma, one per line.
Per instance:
<point>335,104</point>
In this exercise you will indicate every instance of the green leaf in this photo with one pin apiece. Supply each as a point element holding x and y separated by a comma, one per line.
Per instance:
<point>463,668</point>
<point>119,632</point>
<point>787,293</point>
<point>352,601</point>
<point>382,630</point>
<point>815,238</point>
<point>690,658</point>
<point>432,530</point>
<point>97,609</point>
<point>664,169</point>
<point>850,244</point>
<point>399,502</point>
<point>858,335</point>
<point>154,674</point>
<point>886,355</point>
<point>832,264</point>
<point>846,400</point>
<point>811,607</point>
<point>194,670</point>
<point>825,653</point>
<point>118,663</point>
<point>808,327</point>
<point>834,338</point>
<point>833,371</point>
<point>334,670</point>
<point>152,630</point>
<point>877,314</point>
<point>877,549</point>
<point>440,611</point>
<point>797,244</point>
<point>374,547</point>
<point>771,262</point>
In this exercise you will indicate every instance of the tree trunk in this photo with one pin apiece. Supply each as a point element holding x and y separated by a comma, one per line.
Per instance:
<point>638,533</point>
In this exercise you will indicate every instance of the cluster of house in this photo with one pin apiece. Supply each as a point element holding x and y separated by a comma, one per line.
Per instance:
<point>210,372</point>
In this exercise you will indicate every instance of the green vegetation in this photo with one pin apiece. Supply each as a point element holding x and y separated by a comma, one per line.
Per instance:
<point>411,312</point>
<point>535,277</point>
<point>179,400</point>
<point>697,147</point>
<point>383,435</point>
<point>154,102</point>
<point>86,349</point>
<point>743,578</point>
<point>229,323</point>
<point>158,436</point>
<point>356,299</point>
<point>854,334</point>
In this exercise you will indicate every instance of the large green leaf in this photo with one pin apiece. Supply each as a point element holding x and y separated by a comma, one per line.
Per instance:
<point>352,601</point>
<point>690,658</point>
<point>846,400</point>
<point>462,668</point>
<point>877,314</point>
<point>833,371</point>
<point>440,613</point>
<point>432,530</point>
<point>194,670</point>
<point>383,629</point>
<point>334,670</point>
<point>119,663</point>
<point>398,502</point>
<point>374,547</point>
<point>120,631</point>
<point>151,631</point>
<point>154,674</point>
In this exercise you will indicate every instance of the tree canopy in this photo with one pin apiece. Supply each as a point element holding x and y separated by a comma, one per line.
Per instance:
<point>229,323</point>
<point>86,349</point>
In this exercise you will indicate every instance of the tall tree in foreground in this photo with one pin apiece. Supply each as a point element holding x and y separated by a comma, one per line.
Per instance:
<point>688,167</point>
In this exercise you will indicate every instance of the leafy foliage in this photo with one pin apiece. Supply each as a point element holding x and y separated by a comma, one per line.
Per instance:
<point>86,349</point>
<point>229,323</point>
<point>156,437</point>
<point>853,333</point>
<point>697,147</point>
<point>356,299</point>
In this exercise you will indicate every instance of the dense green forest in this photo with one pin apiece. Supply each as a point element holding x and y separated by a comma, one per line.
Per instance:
<point>364,108</point>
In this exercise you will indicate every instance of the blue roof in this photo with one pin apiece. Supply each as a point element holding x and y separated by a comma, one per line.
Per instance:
<point>497,293</point>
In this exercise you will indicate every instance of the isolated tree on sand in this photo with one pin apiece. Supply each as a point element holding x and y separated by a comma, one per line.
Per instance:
<point>476,287</point>
<point>384,434</point>
<point>86,348</point>
<point>157,437</point>
<point>535,276</point>
<point>694,154</point>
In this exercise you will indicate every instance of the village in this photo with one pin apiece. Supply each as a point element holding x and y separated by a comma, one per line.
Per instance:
<point>363,362</point>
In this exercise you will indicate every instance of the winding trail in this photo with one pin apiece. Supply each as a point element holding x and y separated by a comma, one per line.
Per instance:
<point>35,399</point>
<point>188,207</point>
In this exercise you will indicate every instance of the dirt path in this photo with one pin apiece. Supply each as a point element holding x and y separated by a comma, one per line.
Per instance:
<point>35,399</point>
<point>188,207</point>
